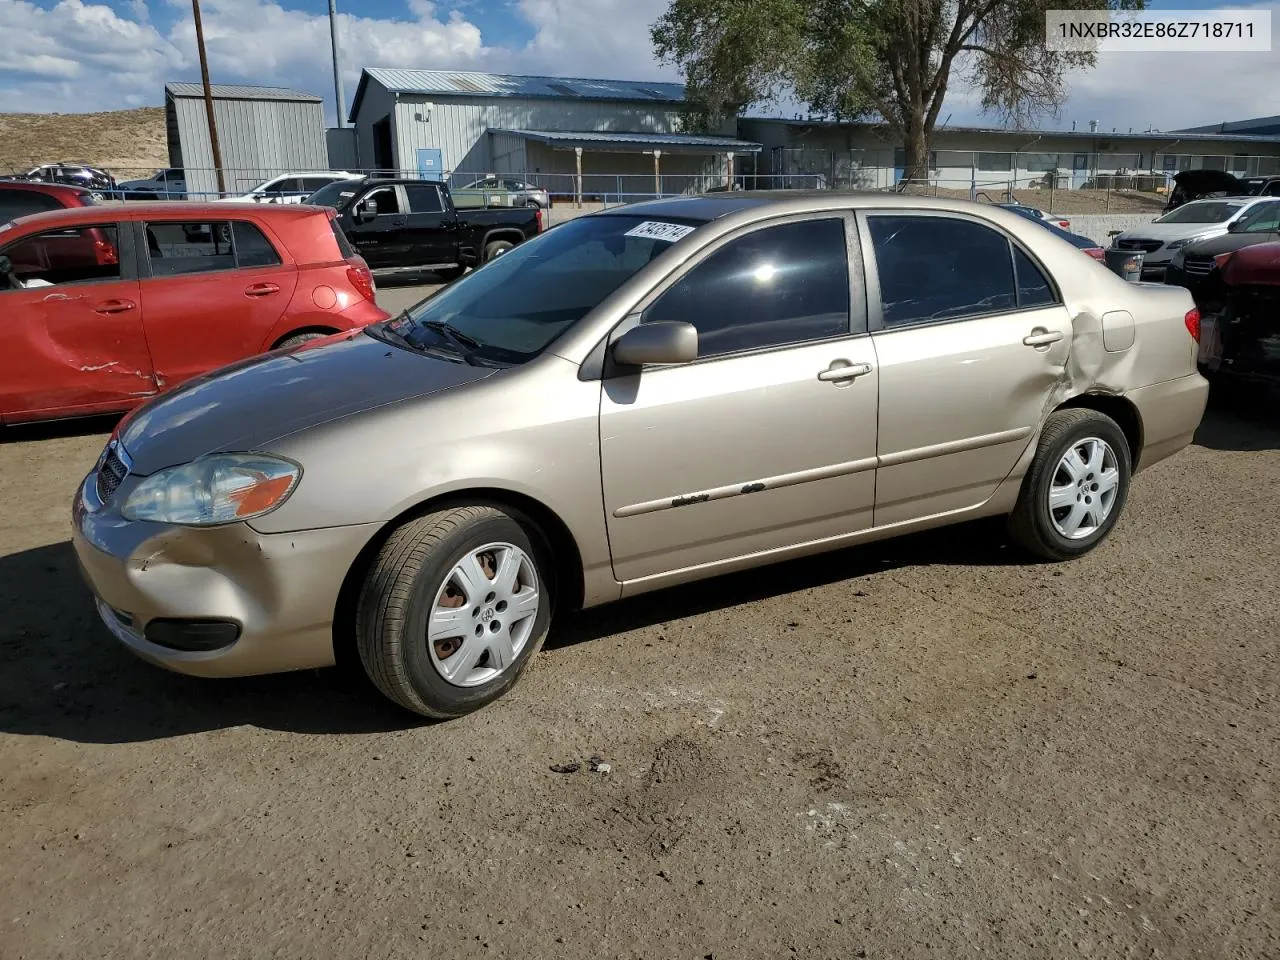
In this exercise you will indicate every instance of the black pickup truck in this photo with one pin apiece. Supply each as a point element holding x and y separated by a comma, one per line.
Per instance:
<point>398,224</point>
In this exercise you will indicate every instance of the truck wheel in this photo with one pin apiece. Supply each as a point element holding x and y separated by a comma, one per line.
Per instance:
<point>453,608</point>
<point>497,249</point>
<point>1076,486</point>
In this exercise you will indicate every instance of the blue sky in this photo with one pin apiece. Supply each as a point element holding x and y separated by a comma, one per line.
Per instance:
<point>81,55</point>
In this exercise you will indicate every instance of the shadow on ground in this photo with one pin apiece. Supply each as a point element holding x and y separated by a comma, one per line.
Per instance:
<point>1241,418</point>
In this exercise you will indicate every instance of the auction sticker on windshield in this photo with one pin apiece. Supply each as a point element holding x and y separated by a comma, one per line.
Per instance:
<point>656,230</point>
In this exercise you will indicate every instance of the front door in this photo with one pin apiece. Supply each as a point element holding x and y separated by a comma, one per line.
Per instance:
<point>433,234</point>
<point>212,294</point>
<point>71,338</point>
<point>971,338</point>
<point>383,241</point>
<point>767,440</point>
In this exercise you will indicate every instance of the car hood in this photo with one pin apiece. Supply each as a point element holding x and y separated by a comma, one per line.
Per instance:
<point>1226,243</point>
<point>1171,231</point>
<point>248,404</point>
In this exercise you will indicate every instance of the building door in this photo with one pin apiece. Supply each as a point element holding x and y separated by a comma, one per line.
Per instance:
<point>430,163</point>
<point>1079,170</point>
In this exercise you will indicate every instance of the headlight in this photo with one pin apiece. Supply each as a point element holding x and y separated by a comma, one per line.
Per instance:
<point>221,488</point>
<point>1179,244</point>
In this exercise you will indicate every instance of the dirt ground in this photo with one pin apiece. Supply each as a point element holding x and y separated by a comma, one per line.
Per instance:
<point>129,143</point>
<point>921,748</point>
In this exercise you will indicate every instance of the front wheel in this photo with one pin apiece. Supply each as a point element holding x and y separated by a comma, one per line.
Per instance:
<point>453,608</point>
<point>1076,487</point>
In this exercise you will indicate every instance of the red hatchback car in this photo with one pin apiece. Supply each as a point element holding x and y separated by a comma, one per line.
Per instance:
<point>104,306</point>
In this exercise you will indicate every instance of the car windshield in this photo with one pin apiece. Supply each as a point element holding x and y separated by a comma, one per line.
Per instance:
<point>513,307</point>
<point>1203,211</point>
<point>337,195</point>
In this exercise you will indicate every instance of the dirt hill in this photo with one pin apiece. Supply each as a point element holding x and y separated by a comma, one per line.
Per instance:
<point>129,143</point>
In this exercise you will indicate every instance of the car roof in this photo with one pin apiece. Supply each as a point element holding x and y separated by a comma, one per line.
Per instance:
<point>168,210</point>
<point>38,186</point>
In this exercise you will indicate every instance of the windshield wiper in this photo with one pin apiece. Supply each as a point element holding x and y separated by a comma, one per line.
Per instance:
<point>449,330</point>
<point>386,332</point>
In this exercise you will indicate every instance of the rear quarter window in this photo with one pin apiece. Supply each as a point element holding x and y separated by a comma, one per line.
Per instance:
<point>344,245</point>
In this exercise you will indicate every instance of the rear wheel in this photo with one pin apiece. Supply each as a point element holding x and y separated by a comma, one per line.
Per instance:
<point>1076,488</point>
<point>288,343</point>
<point>454,607</point>
<point>497,249</point>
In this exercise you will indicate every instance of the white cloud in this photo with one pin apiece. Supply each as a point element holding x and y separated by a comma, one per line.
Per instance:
<point>82,55</point>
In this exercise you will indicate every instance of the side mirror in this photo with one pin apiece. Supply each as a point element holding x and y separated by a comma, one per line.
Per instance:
<point>657,343</point>
<point>366,211</point>
<point>1235,226</point>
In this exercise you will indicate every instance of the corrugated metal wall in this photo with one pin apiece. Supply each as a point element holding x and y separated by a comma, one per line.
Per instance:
<point>458,127</point>
<point>509,154</point>
<point>257,138</point>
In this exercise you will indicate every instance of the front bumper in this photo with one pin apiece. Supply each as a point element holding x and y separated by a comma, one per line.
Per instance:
<point>279,589</point>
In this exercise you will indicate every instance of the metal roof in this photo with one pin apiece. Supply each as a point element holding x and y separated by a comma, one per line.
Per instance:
<point>1258,126</point>
<point>465,83</point>
<point>237,91</point>
<point>662,141</point>
<point>1166,135</point>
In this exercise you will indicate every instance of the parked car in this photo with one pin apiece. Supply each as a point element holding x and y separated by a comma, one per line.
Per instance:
<point>74,175</point>
<point>502,191</point>
<point>168,184</point>
<point>398,224</point>
<point>292,187</point>
<point>1078,240</point>
<point>1192,185</point>
<point>1037,214</point>
<point>106,306</point>
<point>1242,339</point>
<point>1195,265</point>
<point>641,397</point>
<point>18,198</point>
<point>1189,223</point>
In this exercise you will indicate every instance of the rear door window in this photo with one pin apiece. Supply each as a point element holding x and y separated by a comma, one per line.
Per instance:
<point>942,268</point>
<point>422,199</point>
<point>177,249</point>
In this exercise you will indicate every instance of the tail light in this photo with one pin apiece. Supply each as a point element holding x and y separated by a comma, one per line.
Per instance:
<point>1096,252</point>
<point>361,278</point>
<point>1192,320</point>
<point>537,216</point>
<point>105,253</point>
<point>1065,224</point>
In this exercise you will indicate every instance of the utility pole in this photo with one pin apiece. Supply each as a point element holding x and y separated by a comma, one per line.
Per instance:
<point>337,64</point>
<point>208,98</point>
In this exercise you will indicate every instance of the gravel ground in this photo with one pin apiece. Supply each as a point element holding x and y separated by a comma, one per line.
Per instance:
<point>922,748</point>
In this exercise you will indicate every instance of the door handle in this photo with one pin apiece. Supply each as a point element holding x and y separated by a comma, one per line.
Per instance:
<point>114,306</point>
<point>844,370</point>
<point>261,290</point>
<point>1040,337</point>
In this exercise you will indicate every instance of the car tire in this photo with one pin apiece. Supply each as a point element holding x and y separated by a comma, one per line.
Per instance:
<point>497,249</point>
<point>424,583</point>
<point>1076,488</point>
<point>288,343</point>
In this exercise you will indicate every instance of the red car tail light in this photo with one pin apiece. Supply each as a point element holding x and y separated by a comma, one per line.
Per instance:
<point>1065,224</point>
<point>538,219</point>
<point>361,278</point>
<point>1192,320</point>
<point>105,253</point>
<point>1096,252</point>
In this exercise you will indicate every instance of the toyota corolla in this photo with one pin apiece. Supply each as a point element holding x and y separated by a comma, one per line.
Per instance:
<point>642,397</point>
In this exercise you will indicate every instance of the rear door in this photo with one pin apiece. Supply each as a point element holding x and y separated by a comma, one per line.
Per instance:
<point>971,336</point>
<point>433,231</point>
<point>72,340</point>
<point>384,240</point>
<point>211,291</point>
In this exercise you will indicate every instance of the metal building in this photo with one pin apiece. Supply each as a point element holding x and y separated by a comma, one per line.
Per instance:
<point>564,133</point>
<point>262,131</point>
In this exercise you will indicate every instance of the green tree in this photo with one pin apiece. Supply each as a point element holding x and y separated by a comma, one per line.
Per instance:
<point>866,59</point>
